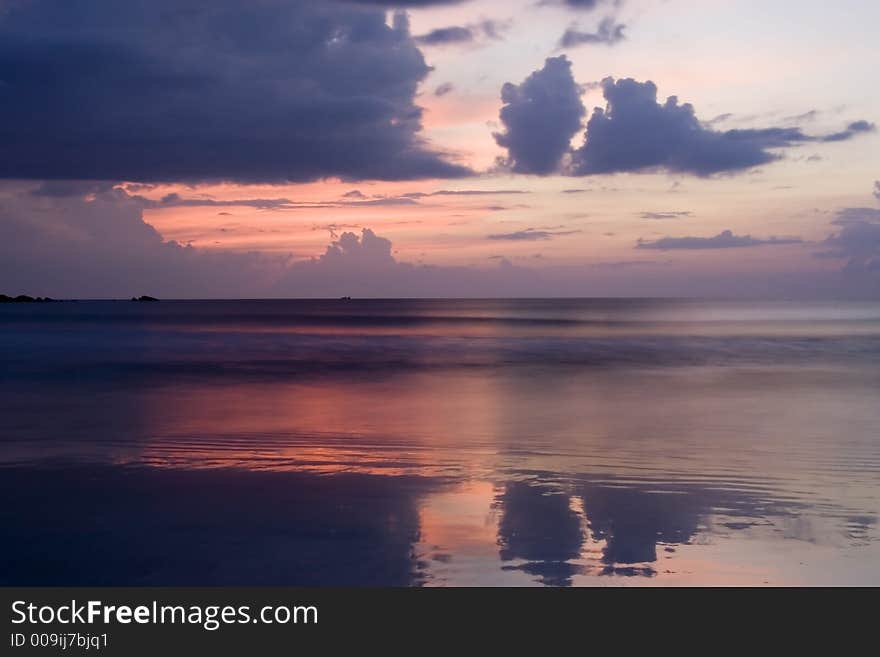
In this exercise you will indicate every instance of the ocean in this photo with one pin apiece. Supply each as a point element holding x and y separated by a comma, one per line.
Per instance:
<point>555,442</point>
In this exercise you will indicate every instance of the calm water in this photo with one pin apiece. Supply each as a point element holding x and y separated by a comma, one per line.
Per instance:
<point>548,442</point>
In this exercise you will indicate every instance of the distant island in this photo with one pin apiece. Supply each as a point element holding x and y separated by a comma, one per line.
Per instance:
<point>23,298</point>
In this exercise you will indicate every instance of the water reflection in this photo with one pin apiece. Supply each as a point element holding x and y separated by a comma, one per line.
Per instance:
<point>105,525</point>
<point>502,444</point>
<point>115,525</point>
<point>539,526</point>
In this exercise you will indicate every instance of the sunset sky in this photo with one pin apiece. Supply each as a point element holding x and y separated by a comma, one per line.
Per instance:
<point>270,148</point>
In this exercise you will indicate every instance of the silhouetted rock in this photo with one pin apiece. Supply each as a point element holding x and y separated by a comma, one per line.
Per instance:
<point>23,298</point>
<point>144,298</point>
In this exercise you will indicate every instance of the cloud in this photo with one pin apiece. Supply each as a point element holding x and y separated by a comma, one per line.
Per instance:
<point>588,4</point>
<point>665,215</point>
<point>443,89</point>
<point>368,249</point>
<point>853,216</point>
<point>723,240</point>
<point>581,5</point>
<point>850,131</point>
<point>540,116</point>
<point>180,90</point>
<point>82,190</point>
<point>458,34</point>
<point>176,200</point>
<point>877,189</point>
<point>70,246</point>
<point>632,133</point>
<point>532,235</point>
<point>467,192</point>
<point>67,188</point>
<point>609,33</point>
<point>364,266</point>
<point>636,133</point>
<point>414,4</point>
<point>446,35</point>
<point>784,137</point>
<point>625,264</point>
<point>351,199</point>
<point>858,239</point>
<point>392,200</point>
<point>97,244</point>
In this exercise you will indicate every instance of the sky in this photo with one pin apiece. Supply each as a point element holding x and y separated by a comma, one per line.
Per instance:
<point>286,148</point>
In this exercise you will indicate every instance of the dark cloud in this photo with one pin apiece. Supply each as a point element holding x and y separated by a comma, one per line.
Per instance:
<point>443,89</point>
<point>632,133</point>
<point>532,235</point>
<point>540,116</point>
<point>636,133</point>
<point>877,189</point>
<point>354,194</point>
<point>458,34</point>
<point>784,137</point>
<point>723,240</point>
<point>665,215</point>
<point>851,131</point>
<point>609,33</point>
<point>446,35</point>
<point>229,90</point>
